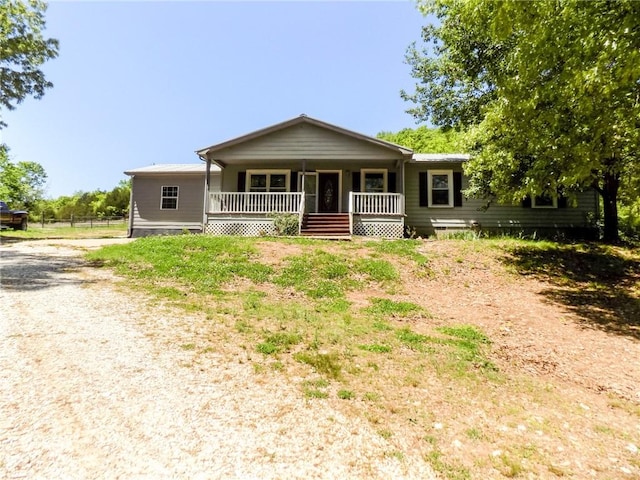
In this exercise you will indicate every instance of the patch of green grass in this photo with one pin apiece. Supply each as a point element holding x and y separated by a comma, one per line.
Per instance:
<point>188,346</point>
<point>415,341</point>
<point>464,352</point>
<point>267,348</point>
<point>465,332</point>
<point>450,470</point>
<point>170,293</point>
<point>318,274</point>
<point>510,467</point>
<point>381,326</point>
<point>376,270</point>
<point>253,300</point>
<point>375,348</point>
<point>400,248</point>
<point>315,393</point>
<point>389,308</point>
<point>474,434</point>
<point>203,262</point>
<point>37,232</point>
<point>278,342</point>
<point>346,395</point>
<point>324,363</point>
<point>371,397</point>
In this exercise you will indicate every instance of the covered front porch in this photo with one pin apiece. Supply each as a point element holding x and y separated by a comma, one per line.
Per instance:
<point>332,179</point>
<point>376,214</point>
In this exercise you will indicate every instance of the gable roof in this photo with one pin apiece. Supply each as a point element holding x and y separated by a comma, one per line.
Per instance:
<point>303,119</point>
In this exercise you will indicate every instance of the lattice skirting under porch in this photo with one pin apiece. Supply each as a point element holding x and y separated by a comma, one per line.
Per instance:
<point>243,228</point>
<point>377,227</point>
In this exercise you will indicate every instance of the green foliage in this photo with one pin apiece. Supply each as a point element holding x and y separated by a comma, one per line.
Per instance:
<point>22,183</point>
<point>98,203</point>
<point>346,395</point>
<point>566,73</point>
<point>23,49</point>
<point>376,270</point>
<point>324,363</point>
<point>467,347</point>
<point>375,348</point>
<point>390,308</point>
<point>286,224</point>
<point>427,140</point>
<point>277,342</point>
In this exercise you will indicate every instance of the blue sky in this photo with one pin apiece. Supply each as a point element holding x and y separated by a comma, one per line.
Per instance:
<point>138,83</point>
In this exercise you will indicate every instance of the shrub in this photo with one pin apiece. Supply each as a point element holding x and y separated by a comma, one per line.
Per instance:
<point>286,224</point>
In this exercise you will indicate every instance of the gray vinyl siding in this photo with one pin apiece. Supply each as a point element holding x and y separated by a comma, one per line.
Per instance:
<point>497,216</point>
<point>305,141</point>
<point>347,167</point>
<point>146,199</point>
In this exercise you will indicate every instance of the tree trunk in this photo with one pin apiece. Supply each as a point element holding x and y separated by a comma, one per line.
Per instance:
<point>610,209</point>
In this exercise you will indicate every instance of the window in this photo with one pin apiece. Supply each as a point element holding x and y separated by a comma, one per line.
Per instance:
<point>373,180</point>
<point>267,180</point>
<point>169,199</point>
<point>440,188</point>
<point>544,201</point>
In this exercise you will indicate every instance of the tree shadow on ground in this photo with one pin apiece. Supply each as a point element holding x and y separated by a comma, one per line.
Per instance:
<point>24,272</point>
<point>600,283</point>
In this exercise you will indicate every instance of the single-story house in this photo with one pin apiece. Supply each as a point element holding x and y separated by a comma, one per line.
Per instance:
<point>338,182</point>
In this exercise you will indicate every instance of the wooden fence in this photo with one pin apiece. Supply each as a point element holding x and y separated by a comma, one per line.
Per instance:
<point>79,222</point>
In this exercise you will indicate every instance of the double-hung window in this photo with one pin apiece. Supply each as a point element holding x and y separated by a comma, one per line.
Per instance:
<point>373,180</point>
<point>440,188</point>
<point>544,201</point>
<point>268,180</point>
<point>169,198</point>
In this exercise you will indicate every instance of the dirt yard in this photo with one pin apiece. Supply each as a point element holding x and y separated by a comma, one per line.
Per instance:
<point>89,388</point>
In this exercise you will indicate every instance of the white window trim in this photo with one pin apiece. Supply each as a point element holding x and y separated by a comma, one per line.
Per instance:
<point>554,198</point>
<point>430,174</point>
<point>363,175</point>
<point>268,173</point>
<point>162,197</point>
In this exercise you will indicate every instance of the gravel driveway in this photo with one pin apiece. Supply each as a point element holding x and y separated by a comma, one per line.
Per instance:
<point>86,392</point>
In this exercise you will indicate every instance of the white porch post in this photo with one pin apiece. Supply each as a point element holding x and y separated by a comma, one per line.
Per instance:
<point>205,203</point>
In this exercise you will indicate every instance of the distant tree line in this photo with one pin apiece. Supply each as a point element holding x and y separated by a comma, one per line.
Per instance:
<point>98,203</point>
<point>22,187</point>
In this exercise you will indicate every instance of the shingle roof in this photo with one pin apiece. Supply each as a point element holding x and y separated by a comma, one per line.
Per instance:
<point>185,168</point>
<point>439,157</point>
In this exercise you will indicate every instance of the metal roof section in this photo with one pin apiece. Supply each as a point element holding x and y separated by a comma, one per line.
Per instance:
<point>203,152</point>
<point>439,157</point>
<point>172,168</point>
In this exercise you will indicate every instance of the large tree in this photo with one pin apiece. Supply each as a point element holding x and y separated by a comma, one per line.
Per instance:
<point>552,89</point>
<point>22,183</point>
<point>23,49</point>
<point>426,140</point>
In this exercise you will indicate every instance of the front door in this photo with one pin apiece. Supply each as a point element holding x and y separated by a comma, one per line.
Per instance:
<point>328,192</point>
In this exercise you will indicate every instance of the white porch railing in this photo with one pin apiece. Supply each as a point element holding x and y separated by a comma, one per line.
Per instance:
<point>376,203</point>
<point>241,202</point>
